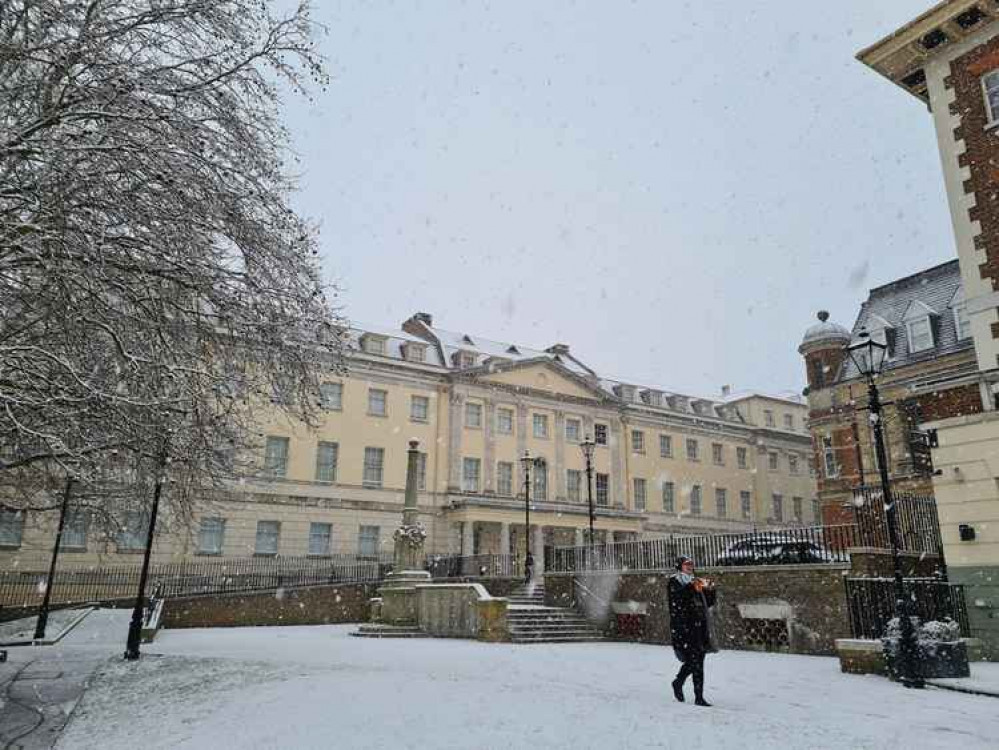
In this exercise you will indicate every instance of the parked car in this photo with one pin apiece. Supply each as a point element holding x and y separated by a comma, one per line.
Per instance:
<point>774,549</point>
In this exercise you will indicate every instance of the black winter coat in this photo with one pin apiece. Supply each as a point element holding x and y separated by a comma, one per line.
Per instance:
<point>688,618</point>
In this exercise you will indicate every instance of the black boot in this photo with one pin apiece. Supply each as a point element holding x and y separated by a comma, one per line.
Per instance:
<point>699,701</point>
<point>678,689</point>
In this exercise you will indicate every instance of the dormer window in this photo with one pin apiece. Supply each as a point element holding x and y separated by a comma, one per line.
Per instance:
<point>962,326</point>
<point>990,89</point>
<point>466,339</point>
<point>414,352</point>
<point>373,344</point>
<point>919,326</point>
<point>463,360</point>
<point>512,349</point>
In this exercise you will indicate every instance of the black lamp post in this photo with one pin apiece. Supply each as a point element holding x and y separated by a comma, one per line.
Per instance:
<point>135,625</point>
<point>537,463</point>
<point>43,612</point>
<point>870,357</point>
<point>588,446</point>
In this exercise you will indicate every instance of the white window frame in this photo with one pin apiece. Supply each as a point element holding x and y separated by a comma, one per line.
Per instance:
<point>601,433</point>
<point>320,532</point>
<point>602,491</point>
<point>573,430</point>
<point>990,84</point>
<point>539,477</point>
<point>718,454</point>
<point>777,507</point>
<point>368,539</point>
<point>276,461</point>
<point>132,534</point>
<point>639,493</point>
<point>471,481</point>
<point>326,472</point>
<point>910,330</point>
<point>540,421</point>
<point>962,328</point>
<point>742,457</point>
<point>789,422</point>
<point>768,418</point>
<point>773,461</point>
<point>829,457</point>
<point>373,474</point>
<point>798,509</point>
<point>268,538</point>
<point>504,479</point>
<point>331,396</point>
<point>665,446</point>
<point>746,503</point>
<point>373,402</point>
<point>696,500</point>
<point>503,426</point>
<point>418,404</point>
<point>637,441</point>
<point>721,502</point>
<point>793,465</point>
<point>693,449</point>
<point>211,536</point>
<point>574,485</point>
<point>669,497</point>
<point>11,528</point>
<point>473,415</point>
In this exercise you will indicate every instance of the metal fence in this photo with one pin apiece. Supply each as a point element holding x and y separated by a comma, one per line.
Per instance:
<point>871,602</point>
<point>777,546</point>
<point>918,523</point>
<point>488,566</point>
<point>212,576</point>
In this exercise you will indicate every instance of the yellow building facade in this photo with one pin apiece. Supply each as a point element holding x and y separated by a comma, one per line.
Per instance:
<point>664,462</point>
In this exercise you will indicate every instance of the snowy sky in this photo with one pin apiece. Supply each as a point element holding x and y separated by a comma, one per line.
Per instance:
<point>672,188</point>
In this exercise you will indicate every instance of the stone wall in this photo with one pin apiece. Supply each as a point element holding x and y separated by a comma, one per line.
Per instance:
<point>878,564</point>
<point>451,610</point>
<point>306,605</point>
<point>799,609</point>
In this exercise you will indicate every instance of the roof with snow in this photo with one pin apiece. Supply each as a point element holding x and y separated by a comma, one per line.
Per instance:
<point>894,308</point>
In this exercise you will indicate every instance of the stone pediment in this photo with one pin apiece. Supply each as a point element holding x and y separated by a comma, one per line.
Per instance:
<point>539,374</point>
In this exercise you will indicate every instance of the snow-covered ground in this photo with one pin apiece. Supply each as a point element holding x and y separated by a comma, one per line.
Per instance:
<point>316,687</point>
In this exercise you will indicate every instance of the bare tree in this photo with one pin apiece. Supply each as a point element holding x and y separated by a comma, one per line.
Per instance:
<point>154,280</point>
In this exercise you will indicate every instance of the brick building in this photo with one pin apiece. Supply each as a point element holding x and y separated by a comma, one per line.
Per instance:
<point>930,374</point>
<point>948,59</point>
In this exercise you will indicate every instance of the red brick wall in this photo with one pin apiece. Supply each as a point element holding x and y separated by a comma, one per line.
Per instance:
<point>982,151</point>
<point>954,402</point>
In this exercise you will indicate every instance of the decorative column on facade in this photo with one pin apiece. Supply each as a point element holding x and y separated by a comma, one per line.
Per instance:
<point>521,445</point>
<point>538,549</point>
<point>468,538</point>
<point>560,491</point>
<point>489,442</point>
<point>617,477</point>
<point>455,425</point>
<point>504,538</point>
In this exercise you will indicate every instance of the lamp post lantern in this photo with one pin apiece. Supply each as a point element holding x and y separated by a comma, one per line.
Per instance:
<point>588,446</point>
<point>870,357</point>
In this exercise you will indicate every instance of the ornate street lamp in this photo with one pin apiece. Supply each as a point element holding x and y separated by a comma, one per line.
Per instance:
<point>588,446</point>
<point>527,461</point>
<point>870,357</point>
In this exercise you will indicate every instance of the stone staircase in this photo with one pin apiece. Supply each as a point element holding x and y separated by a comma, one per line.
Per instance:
<point>530,621</point>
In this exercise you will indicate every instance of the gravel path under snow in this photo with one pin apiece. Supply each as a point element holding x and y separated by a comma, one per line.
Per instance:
<point>316,687</point>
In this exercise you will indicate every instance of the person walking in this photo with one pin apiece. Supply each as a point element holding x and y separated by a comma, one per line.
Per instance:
<point>529,568</point>
<point>689,600</point>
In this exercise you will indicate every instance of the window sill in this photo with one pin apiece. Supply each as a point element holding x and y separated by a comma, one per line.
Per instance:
<point>265,554</point>
<point>130,550</point>
<point>375,414</point>
<point>414,420</point>
<point>10,546</point>
<point>72,549</point>
<point>203,553</point>
<point>331,408</point>
<point>371,486</point>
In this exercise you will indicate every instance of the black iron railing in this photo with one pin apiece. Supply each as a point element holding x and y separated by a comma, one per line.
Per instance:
<point>919,525</point>
<point>486,566</point>
<point>204,576</point>
<point>770,546</point>
<point>871,602</point>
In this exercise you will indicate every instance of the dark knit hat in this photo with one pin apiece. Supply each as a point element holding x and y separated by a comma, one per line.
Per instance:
<point>683,559</point>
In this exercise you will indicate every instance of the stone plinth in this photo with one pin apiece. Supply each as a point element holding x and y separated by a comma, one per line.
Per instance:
<point>400,605</point>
